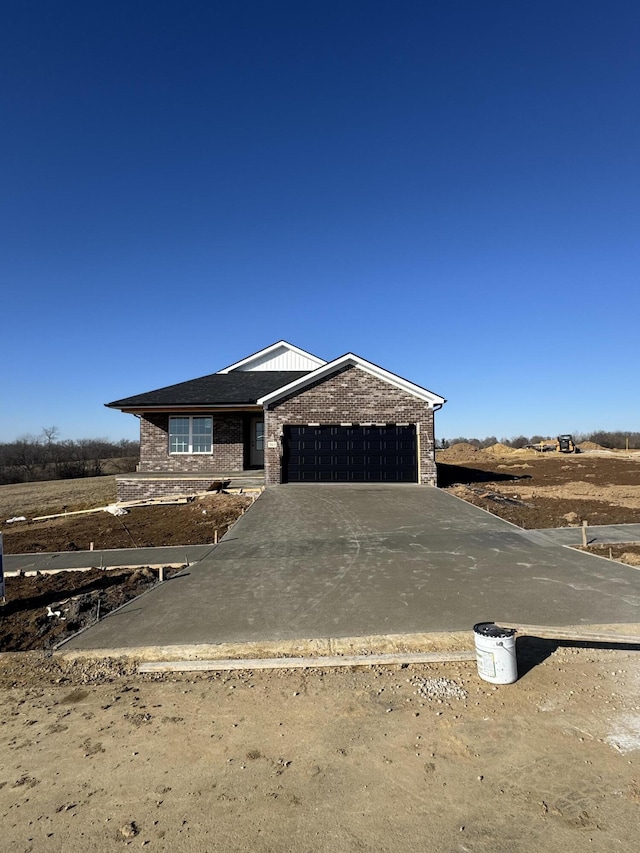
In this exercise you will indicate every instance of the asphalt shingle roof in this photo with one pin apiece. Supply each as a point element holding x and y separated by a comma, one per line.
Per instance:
<point>235,388</point>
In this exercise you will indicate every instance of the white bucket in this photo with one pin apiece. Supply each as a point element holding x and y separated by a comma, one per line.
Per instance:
<point>496,653</point>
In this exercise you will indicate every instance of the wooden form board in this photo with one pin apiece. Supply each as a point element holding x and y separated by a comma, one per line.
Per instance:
<point>168,501</point>
<point>575,635</point>
<point>306,662</point>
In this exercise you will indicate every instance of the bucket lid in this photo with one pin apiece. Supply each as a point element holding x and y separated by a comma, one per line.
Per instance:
<point>490,629</point>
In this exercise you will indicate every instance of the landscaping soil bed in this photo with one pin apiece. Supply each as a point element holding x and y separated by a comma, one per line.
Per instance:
<point>42,610</point>
<point>627,553</point>
<point>194,523</point>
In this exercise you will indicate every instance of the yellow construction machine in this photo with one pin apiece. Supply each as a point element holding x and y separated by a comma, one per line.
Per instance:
<point>566,444</point>
<point>562,444</point>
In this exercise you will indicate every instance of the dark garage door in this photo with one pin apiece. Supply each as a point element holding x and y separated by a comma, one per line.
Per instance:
<point>355,454</point>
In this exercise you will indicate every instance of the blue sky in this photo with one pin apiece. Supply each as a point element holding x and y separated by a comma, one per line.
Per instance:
<point>448,189</point>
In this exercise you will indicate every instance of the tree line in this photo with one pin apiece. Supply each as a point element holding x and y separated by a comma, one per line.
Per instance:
<point>47,457</point>
<point>616,440</point>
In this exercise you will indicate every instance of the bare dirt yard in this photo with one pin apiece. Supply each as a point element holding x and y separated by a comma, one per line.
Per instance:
<point>193,523</point>
<point>421,758</point>
<point>545,490</point>
<point>417,758</point>
<point>43,610</point>
<point>540,490</point>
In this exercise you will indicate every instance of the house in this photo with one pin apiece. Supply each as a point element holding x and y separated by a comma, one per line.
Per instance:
<point>282,410</point>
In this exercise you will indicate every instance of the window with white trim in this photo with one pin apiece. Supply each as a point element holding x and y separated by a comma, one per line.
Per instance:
<point>190,434</point>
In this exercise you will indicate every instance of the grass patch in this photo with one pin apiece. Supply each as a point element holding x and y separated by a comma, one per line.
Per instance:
<point>51,496</point>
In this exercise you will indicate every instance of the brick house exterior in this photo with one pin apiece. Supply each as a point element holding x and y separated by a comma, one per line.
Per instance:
<point>227,451</point>
<point>300,418</point>
<point>349,396</point>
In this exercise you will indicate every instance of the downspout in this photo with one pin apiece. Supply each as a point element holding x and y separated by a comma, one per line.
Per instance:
<point>436,407</point>
<point>139,417</point>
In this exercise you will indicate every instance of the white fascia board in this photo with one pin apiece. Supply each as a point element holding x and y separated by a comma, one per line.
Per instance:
<point>355,360</point>
<point>256,356</point>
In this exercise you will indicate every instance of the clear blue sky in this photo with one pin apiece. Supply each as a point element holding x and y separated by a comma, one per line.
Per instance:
<point>448,189</point>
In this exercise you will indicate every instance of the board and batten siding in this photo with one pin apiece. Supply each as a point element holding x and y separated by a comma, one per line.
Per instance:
<point>284,360</point>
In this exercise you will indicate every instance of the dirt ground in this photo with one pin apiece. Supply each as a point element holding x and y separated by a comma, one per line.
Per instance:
<point>535,490</point>
<point>629,554</point>
<point>421,758</point>
<point>43,610</point>
<point>188,524</point>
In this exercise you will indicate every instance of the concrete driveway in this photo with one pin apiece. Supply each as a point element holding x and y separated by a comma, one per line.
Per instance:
<point>339,560</point>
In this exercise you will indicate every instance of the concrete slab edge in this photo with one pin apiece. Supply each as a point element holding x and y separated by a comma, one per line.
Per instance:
<point>113,612</point>
<point>581,549</point>
<point>428,642</point>
<point>133,567</point>
<point>304,647</point>
<point>488,511</point>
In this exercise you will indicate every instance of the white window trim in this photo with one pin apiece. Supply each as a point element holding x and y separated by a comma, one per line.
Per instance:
<point>190,451</point>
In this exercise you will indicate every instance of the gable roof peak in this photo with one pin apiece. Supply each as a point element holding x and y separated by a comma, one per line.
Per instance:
<point>278,356</point>
<point>351,359</point>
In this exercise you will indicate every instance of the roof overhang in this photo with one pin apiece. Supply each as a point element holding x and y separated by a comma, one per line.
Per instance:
<point>352,360</point>
<point>143,410</point>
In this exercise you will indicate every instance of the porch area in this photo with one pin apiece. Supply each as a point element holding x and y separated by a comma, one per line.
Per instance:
<point>142,485</point>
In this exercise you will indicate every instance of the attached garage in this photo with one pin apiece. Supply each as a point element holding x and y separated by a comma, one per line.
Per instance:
<point>350,421</point>
<point>350,454</point>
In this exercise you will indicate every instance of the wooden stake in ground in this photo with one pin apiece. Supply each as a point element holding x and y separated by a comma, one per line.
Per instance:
<point>2,598</point>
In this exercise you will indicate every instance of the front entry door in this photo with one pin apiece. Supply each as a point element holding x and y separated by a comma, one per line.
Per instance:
<point>256,450</point>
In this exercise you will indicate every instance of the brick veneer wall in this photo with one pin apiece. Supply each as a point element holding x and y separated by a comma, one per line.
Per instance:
<point>350,396</point>
<point>138,490</point>
<point>228,446</point>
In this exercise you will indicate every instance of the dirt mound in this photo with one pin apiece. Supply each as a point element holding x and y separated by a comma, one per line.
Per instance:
<point>499,449</point>
<point>461,450</point>
<point>591,445</point>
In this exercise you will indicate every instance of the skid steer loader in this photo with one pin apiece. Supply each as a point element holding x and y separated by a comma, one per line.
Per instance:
<point>565,444</point>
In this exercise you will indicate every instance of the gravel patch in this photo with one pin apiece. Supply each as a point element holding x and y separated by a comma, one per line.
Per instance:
<point>437,689</point>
